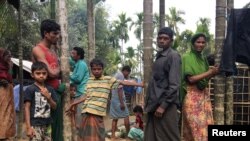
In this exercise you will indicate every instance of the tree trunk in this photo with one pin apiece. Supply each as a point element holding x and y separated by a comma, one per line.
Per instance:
<point>20,76</point>
<point>147,41</point>
<point>162,13</point>
<point>53,9</point>
<point>219,87</point>
<point>91,30</point>
<point>229,82</point>
<point>229,114</point>
<point>65,68</point>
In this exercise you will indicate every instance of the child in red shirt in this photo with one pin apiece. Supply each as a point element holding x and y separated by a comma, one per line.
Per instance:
<point>136,132</point>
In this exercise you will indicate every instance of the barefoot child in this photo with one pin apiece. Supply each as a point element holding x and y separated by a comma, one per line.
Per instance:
<point>95,101</point>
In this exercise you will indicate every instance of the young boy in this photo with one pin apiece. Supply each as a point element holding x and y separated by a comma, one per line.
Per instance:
<point>39,99</point>
<point>136,132</point>
<point>95,101</point>
<point>72,90</point>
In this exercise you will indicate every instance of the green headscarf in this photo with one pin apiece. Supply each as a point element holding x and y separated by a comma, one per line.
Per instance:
<point>193,63</point>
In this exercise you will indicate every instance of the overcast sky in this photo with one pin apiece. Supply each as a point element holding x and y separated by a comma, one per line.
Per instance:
<point>194,9</point>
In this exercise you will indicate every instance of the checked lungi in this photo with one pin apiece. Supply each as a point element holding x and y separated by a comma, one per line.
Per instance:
<point>92,128</point>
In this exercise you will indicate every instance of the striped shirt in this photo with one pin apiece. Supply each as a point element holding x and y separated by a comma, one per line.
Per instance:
<point>98,92</point>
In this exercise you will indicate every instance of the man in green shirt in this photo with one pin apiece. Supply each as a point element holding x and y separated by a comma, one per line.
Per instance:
<point>79,77</point>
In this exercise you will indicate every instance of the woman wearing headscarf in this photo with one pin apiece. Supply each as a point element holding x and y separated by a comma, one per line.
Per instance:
<point>7,108</point>
<point>197,107</point>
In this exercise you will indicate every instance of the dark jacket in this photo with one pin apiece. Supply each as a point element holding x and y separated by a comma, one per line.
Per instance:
<point>163,88</point>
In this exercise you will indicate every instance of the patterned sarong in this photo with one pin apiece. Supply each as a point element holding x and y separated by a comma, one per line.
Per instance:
<point>197,114</point>
<point>42,133</point>
<point>92,128</point>
<point>7,112</point>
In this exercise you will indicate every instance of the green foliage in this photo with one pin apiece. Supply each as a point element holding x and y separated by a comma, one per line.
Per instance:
<point>78,28</point>
<point>31,15</point>
<point>130,58</point>
<point>102,32</point>
<point>138,26</point>
<point>121,26</point>
<point>174,19</point>
<point>8,24</point>
<point>108,33</point>
<point>203,27</point>
<point>184,41</point>
<point>113,60</point>
<point>77,24</point>
<point>156,23</point>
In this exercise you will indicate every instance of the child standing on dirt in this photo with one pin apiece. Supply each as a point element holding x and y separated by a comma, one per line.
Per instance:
<point>95,101</point>
<point>39,99</point>
<point>136,132</point>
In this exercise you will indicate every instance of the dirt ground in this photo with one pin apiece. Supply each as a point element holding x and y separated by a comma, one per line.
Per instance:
<point>107,123</point>
<point>108,126</point>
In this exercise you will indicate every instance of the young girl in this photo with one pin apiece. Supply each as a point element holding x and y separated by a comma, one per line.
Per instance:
<point>136,132</point>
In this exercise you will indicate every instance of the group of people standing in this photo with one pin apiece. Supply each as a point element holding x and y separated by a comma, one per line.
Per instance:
<point>179,81</point>
<point>175,80</point>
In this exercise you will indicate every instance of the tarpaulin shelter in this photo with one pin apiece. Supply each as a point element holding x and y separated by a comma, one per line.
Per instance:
<point>236,47</point>
<point>26,69</point>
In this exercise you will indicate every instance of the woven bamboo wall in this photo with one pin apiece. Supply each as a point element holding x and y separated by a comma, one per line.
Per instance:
<point>241,94</point>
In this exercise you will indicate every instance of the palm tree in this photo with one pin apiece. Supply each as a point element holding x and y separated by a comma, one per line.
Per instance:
<point>147,41</point>
<point>162,13</point>
<point>174,19</point>
<point>91,29</point>
<point>62,12</point>
<point>219,86</point>
<point>138,26</point>
<point>229,84</point>
<point>130,58</point>
<point>113,60</point>
<point>184,44</point>
<point>156,22</point>
<point>113,36</point>
<point>138,34</point>
<point>203,25</point>
<point>121,26</point>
